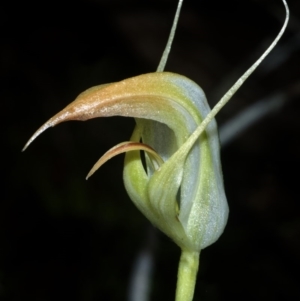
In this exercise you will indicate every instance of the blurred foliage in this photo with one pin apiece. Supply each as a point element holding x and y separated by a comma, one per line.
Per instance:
<point>64,238</point>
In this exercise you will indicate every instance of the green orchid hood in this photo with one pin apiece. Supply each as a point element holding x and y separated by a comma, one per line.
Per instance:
<point>181,189</point>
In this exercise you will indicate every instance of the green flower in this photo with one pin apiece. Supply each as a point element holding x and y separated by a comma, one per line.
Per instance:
<point>181,190</point>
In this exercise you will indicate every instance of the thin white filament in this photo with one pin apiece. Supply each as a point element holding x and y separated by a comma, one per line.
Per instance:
<point>167,50</point>
<point>190,142</point>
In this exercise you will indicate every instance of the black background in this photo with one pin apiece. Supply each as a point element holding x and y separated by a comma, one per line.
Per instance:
<point>64,238</point>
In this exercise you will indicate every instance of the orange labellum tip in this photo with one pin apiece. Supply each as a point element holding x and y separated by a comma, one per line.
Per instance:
<point>123,148</point>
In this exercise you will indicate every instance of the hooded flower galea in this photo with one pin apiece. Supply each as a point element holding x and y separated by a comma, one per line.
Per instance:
<point>168,108</point>
<point>180,189</point>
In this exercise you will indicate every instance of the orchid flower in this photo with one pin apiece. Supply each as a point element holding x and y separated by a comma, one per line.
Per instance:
<point>180,189</point>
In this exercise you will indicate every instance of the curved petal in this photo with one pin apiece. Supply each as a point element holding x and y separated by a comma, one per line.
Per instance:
<point>136,184</point>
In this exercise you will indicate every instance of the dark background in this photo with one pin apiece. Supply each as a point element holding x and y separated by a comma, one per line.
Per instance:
<point>64,238</point>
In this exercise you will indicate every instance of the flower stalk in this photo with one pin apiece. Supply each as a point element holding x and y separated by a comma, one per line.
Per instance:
<point>187,275</point>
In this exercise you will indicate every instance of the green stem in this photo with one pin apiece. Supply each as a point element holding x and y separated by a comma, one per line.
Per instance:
<point>187,275</point>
